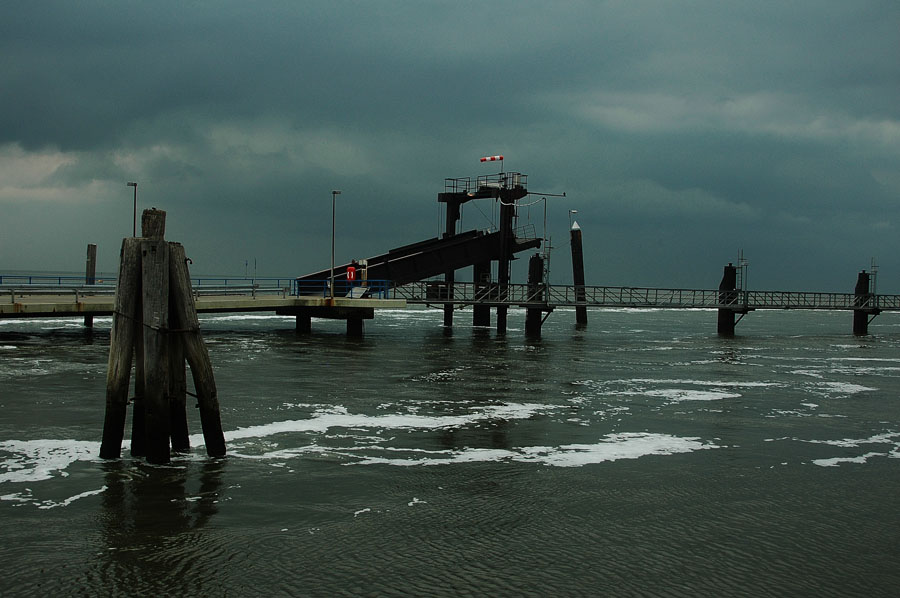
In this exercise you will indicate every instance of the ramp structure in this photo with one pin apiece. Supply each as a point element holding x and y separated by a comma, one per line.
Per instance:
<point>453,251</point>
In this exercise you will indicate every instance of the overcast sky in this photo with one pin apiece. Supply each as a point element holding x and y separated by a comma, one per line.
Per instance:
<point>681,132</point>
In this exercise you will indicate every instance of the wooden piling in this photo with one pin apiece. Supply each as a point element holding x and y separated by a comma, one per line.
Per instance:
<point>90,276</point>
<point>195,352</point>
<point>155,307</point>
<point>534,315</point>
<point>121,349</point>
<point>481,273</point>
<point>727,296</point>
<point>863,301</point>
<point>156,322</point>
<point>578,274</point>
<point>177,391</point>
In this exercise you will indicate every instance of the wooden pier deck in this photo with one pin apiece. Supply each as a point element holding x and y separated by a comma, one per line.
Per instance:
<point>84,300</point>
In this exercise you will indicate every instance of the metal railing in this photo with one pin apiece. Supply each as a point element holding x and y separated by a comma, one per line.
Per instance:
<point>380,289</point>
<point>466,293</point>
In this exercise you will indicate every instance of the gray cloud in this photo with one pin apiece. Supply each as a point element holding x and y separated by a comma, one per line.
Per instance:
<point>681,133</point>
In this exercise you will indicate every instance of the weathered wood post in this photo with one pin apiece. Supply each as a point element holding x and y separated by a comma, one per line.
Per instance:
<point>534,315</point>
<point>177,391</point>
<point>578,274</point>
<point>156,321</point>
<point>195,352</point>
<point>121,349</point>
<point>155,307</point>
<point>90,276</point>
<point>727,296</point>
<point>864,304</point>
<point>481,273</point>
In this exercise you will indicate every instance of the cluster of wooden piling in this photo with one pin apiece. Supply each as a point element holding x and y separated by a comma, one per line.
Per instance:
<point>155,326</point>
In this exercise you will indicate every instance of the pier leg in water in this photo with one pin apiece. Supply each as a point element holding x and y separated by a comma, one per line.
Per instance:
<point>534,315</point>
<point>355,327</point>
<point>727,296</point>
<point>864,300</point>
<point>90,276</point>
<point>155,294</point>
<point>578,274</point>
<point>303,323</point>
<point>121,349</point>
<point>177,392</point>
<point>481,314</point>
<point>195,352</point>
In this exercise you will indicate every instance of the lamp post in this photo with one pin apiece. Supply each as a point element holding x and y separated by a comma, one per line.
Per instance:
<point>331,284</point>
<point>134,222</point>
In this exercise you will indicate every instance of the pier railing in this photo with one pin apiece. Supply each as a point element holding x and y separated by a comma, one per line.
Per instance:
<point>466,293</point>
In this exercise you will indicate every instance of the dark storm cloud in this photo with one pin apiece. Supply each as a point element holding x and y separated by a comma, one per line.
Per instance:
<point>681,132</point>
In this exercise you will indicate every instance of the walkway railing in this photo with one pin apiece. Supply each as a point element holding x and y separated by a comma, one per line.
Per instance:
<point>466,293</point>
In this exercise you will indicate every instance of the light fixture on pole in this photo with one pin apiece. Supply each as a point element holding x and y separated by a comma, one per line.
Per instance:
<point>570,217</point>
<point>331,283</point>
<point>134,222</point>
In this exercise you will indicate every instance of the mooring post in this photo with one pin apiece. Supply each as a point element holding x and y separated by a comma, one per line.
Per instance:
<point>578,274</point>
<point>155,308</point>
<point>177,390</point>
<point>507,234</point>
<point>481,273</point>
<point>863,300</point>
<point>90,276</point>
<point>195,351</point>
<point>727,296</point>
<point>121,349</point>
<point>453,216</point>
<point>534,315</point>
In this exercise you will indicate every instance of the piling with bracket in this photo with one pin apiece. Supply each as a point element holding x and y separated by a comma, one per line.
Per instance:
<point>155,321</point>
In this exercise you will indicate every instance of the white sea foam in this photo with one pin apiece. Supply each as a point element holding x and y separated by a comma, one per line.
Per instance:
<point>844,388</point>
<point>36,460</point>
<point>835,461</point>
<point>323,420</point>
<point>612,448</point>
<point>714,383</point>
<point>677,395</point>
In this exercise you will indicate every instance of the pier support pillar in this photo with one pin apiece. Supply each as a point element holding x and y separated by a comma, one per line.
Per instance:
<point>865,302</point>
<point>481,314</point>
<point>304,323</point>
<point>355,327</point>
<point>534,315</point>
<point>448,307</point>
<point>728,295</point>
<point>578,274</point>
<point>90,276</point>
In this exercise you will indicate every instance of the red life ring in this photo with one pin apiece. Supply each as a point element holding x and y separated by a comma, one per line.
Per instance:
<point>351,273</point>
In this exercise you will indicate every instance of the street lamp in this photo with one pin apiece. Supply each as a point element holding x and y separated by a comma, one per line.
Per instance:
<point>331,285</point>
<point>134,222</point>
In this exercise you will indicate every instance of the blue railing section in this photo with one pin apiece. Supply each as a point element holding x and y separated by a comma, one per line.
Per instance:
<point>44,279</point>
<point>377,289</point>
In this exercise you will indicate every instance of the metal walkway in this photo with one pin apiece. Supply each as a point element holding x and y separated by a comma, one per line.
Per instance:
<point>523,295</point>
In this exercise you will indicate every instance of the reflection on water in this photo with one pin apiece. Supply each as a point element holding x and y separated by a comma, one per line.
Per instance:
<point>151,521</point>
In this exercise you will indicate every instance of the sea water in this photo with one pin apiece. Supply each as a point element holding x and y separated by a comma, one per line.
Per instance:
<point>642,455</point>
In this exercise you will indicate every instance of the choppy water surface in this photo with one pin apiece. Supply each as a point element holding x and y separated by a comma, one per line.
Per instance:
<point>642,455</point>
